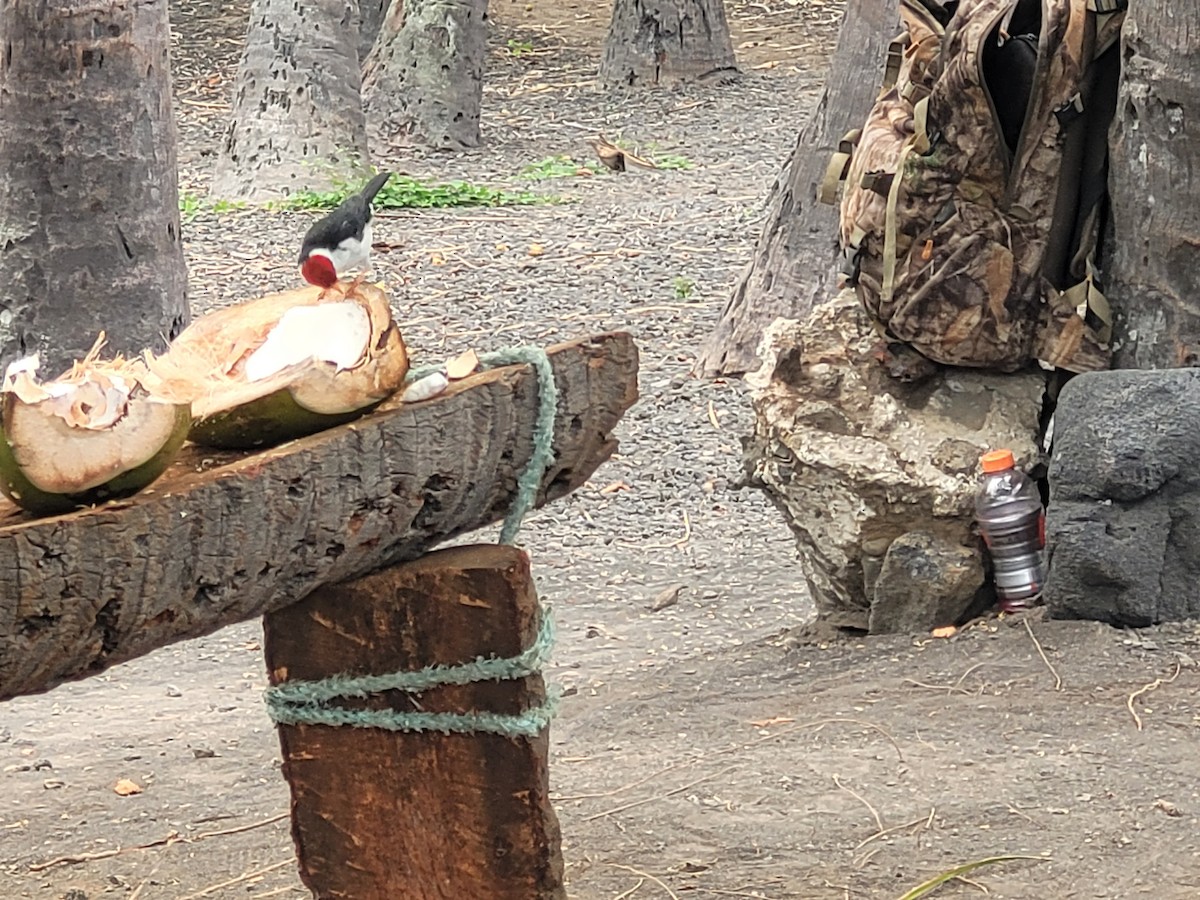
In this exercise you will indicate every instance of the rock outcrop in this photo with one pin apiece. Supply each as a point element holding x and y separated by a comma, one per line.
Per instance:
<point>1123,522</point>
<point>871,452</point>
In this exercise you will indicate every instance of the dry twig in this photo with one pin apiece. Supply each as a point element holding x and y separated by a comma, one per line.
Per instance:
<point>644,800</point>
<point>863,800</point>
<point>1042,654</point>
<point>173,837</point>
<point>1147,688</point>
<point>662,884</point>
<point>241,879</point>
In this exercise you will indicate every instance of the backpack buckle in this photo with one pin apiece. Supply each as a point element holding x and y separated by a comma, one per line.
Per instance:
<point>851,265</point>
<point>1071,110</point>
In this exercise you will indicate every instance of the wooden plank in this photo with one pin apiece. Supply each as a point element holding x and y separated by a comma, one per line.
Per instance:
<point>226,537</point>
<point>378,814</point>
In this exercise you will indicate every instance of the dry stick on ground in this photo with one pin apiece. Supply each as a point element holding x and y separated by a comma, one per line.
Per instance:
<point>948,688</point>
<point>1042,654</point>
<point>645,800</point>
<point>662,884</point>
<point>923,820</point>
<point>1147,688</point>
<point>816,723</point>
<point>244,877</point>
<point>633,890</point>
<point>863,800</point>
<point>173,838</point>
<point>723,893</point>
<point>970,669</point>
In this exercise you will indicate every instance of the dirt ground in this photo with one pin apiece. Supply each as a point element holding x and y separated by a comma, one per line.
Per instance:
<point>705,750</point>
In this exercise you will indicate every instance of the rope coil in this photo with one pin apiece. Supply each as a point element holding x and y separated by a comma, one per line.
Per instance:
<point>313,702</point>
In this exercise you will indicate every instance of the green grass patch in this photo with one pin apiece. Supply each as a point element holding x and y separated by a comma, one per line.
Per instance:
<point>402,192</point>
<point>519,48</point>
<point>684,287</point>
<point>671,161</point>
<point>192,205</point>
<point>558,167</point>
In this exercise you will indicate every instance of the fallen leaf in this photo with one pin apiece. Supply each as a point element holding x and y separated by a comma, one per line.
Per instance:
<point>536,249</point>
<point>666,597</point>
<point>125,787</point>
<point>777,720</point>
<point>462,365</point>
<point>944,632</point>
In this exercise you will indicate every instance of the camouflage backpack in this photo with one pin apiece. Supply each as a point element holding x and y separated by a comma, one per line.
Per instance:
<point>975,190</point>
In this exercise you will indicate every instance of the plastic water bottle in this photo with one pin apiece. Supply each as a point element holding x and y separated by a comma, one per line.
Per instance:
<point>1012,522</point>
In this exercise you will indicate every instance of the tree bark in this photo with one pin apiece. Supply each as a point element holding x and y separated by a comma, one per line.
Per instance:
<point>425,79</point>
<point>653,42</point>
<point>297,119</point>
<point>1154,276</point>
<point>793,264</point>
<point>89,201</point>
<point>380,814</point>
<point>225,537</point>
<point>371,16</point>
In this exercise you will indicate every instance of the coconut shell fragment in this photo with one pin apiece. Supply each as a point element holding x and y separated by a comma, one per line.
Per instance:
<point>100,431</point>
<point>286,365</point>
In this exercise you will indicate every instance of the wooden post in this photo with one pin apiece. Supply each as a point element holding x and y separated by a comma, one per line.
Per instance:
<point>384,815</point>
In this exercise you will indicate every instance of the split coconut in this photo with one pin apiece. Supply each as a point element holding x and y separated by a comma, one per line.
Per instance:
<point>104,429</point>
<point>286,365</point>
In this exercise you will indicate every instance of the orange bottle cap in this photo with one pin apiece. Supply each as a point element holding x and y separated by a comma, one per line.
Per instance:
<point>997,461</point>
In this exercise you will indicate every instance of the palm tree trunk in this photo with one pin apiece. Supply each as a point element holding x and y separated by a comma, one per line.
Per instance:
<point>792,267</point>
<point>1154,275</point>
<point>425,77</point>
<point>89,201</point>
<point>652,42</point>
<point>297,112</point>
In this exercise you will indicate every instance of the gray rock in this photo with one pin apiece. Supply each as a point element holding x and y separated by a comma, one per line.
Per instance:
<point>858,444</point>
<point>1123,523</point>
<point>923,583</point>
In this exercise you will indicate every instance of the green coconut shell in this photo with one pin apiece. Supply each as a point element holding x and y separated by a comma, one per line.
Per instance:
<point>22,492</point>
<point>267,421</point>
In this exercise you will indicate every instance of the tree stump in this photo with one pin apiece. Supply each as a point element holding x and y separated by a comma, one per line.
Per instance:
<point>383,814</point>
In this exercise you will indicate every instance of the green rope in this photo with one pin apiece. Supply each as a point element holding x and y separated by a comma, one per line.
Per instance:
<point>309,702</point>
<point>312,702</point>
<point>543,431</point>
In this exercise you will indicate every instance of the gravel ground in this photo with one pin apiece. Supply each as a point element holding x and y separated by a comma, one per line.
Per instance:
<point>653,253</point>
<point>698,753</point>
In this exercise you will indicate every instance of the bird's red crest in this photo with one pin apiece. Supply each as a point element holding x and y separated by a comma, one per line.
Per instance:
<point>319,270</point>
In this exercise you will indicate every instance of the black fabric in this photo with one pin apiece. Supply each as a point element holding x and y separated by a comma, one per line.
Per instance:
<point>1008,72</point>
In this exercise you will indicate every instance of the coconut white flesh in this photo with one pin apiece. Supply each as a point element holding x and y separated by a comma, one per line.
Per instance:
<point>333,361</point>
<point>64,458</point>
<point>324,390</point>
<point>335,333</point>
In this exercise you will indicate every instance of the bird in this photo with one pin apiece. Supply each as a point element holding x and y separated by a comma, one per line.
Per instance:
<point>342,239</point>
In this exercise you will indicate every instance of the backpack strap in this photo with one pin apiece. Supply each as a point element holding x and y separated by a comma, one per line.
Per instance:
<point>839,166</point>
<point>1077,324</point>
<point>918,142</point>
